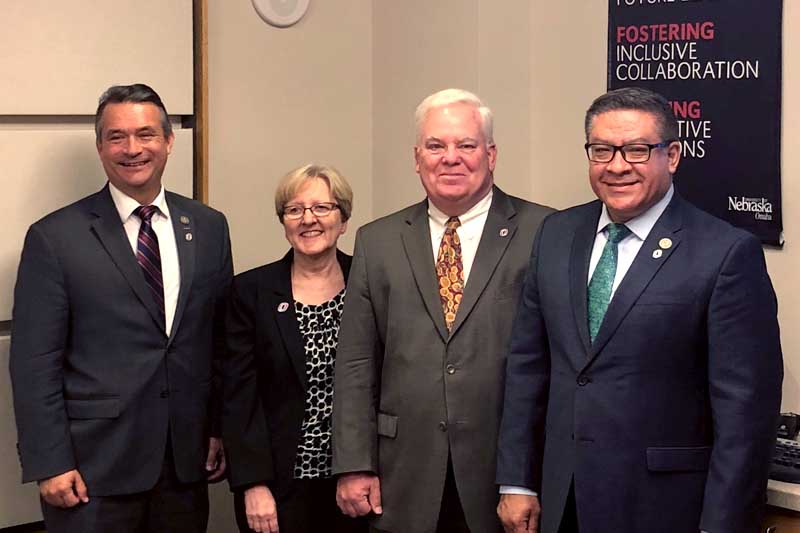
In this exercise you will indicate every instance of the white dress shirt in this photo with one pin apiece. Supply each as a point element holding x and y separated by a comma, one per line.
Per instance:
<point>627,249</point>
<point>168,249</point>
<point>469,232</point>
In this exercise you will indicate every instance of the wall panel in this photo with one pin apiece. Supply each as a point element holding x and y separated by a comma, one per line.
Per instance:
<point>49,169</point>
<point>58,56</point>
<point>20,503</point>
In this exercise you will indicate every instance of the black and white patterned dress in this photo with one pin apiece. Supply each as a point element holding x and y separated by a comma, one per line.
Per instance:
<point>319,326</point>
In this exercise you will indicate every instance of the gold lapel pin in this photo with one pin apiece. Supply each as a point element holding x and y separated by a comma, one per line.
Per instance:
<point>189,237</point>
<point>184,219</point>
<point>665,243</point>
<point>657,254</point>
<point>504,232</point>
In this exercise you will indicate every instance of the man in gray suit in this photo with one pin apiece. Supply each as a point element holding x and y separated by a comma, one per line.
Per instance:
<point>427,317</point>
<point>116,328</point>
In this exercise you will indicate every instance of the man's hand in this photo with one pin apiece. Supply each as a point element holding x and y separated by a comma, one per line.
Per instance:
<point>64,490</point>
<point>359,493</point>
<point>519,513</point>
<point>259,506</point>
<point>215,462</point>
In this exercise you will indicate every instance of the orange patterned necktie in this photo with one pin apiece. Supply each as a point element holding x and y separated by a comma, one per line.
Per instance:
<point>450,271</point>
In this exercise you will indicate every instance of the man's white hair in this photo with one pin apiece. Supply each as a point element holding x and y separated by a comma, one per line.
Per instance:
<point>448,97</point>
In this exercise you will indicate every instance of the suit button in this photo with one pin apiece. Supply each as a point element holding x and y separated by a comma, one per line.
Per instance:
<point>450,369</point>
<point>583,380</point>
<point>165,394</point>
<point>443,426</point>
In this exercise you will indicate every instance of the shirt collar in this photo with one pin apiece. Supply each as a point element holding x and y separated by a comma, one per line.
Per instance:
<point>640,225</point>
<point>480,208</point>
<point>126,205</point>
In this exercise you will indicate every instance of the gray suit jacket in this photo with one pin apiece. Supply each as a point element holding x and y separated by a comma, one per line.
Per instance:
<point>98,385</point>
<point>406,392</point>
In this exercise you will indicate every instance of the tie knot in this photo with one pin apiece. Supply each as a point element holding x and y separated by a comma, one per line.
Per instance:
<point>452,223</point>
<point>145,212</point>
<point>617,232</point>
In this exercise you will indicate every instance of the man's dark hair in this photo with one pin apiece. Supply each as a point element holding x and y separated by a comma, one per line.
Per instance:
<point>636,99</point>
<point>138,93</point>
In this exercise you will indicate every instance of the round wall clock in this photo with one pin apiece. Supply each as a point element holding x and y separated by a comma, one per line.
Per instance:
<point>281,13</point>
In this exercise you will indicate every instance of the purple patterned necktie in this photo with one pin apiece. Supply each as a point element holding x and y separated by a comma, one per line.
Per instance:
<point>148,255</point>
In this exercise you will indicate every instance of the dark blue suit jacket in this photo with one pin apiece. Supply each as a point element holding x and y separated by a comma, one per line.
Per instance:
<point>98,384</point>
<point>666,422</point>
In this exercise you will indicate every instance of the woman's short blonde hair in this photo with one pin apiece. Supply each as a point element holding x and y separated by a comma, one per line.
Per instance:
<point>291,183</point>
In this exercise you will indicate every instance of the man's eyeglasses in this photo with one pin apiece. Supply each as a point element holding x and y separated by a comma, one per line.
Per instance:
<point>632,153</point>
<point>294,212</point>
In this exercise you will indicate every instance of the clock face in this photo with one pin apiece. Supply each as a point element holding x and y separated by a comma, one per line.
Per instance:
<point>281,13</point>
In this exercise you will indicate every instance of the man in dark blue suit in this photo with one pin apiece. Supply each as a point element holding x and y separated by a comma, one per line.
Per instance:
<point>644,376</point>
<point>117,323</point>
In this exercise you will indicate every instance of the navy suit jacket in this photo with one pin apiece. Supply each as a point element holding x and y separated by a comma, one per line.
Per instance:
<point>667,420</point>
<point>98,384</point>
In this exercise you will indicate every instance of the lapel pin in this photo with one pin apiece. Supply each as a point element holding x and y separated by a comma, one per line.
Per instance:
<point>282,307</point>
<point>188,237</point>
<point>184,219</point>
<point>504,232</point>
<point>665,243</point>
<point>657,254</point>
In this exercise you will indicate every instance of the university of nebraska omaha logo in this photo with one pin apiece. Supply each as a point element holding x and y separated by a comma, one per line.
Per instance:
<point>760,207</point>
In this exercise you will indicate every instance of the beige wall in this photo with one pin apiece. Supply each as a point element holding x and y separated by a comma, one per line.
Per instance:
<point>413,56</point>
<point>568,66</point>
<point>468,44</point>
<point>784,264</point>
<point>279,98</point>
<point>58,56</point>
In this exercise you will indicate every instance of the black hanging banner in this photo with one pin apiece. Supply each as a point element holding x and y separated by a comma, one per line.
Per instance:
<point>718,62</point>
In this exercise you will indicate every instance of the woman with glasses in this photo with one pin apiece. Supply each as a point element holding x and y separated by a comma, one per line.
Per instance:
<point>282,332</point>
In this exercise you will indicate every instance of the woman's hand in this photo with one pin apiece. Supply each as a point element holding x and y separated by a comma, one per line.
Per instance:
<point>259,505</point>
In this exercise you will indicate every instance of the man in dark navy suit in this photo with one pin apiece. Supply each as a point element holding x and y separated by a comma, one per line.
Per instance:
<point>644,377</point>
<point>116,322</point>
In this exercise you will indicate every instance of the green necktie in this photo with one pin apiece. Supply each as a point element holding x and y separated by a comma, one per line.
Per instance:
<point>599,291</point>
